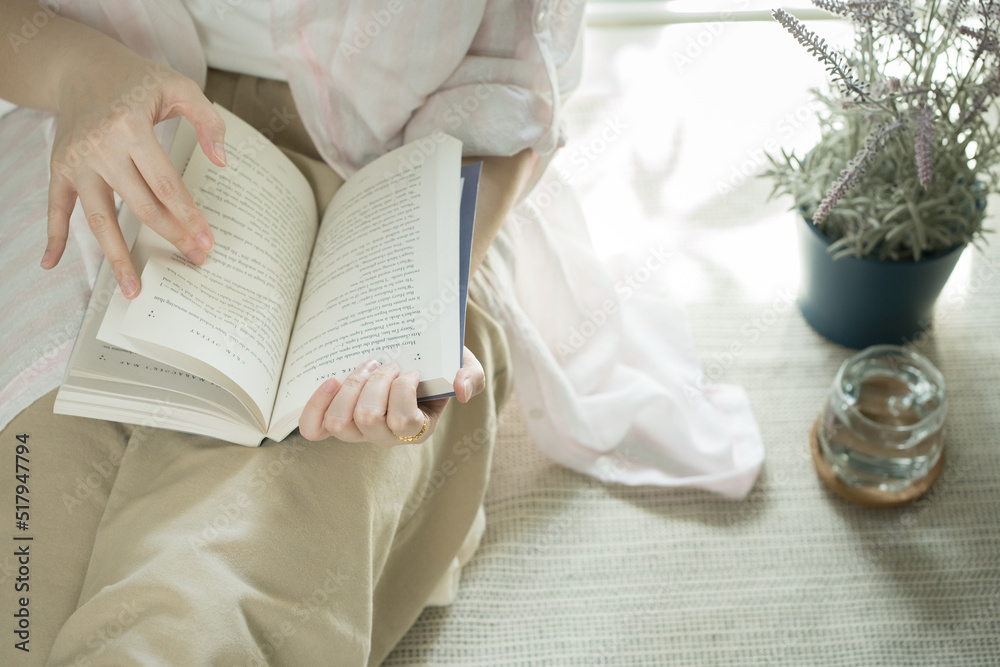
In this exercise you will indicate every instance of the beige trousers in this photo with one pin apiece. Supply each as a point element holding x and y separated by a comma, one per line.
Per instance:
<point>151,547</point>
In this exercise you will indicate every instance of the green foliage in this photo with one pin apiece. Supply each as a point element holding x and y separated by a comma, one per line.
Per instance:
<point>905,163</point>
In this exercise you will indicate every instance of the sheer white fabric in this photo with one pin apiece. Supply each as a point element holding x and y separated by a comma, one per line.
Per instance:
<point>608,378</point>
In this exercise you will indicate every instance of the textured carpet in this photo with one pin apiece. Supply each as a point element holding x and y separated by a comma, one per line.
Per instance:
<point>573,572</point>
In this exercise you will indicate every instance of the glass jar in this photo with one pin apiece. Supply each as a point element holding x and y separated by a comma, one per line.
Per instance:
<point>883,425</point>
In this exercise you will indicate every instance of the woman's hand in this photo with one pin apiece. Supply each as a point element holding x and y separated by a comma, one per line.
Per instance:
<point>375,404</point>
<point>105,143</point>
<point>108,99</point>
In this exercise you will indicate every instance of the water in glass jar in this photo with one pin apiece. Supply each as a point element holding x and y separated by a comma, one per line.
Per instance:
<point>884,424</point>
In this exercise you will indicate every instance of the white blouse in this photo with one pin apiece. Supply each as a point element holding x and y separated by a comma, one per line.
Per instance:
<point>236,36</point>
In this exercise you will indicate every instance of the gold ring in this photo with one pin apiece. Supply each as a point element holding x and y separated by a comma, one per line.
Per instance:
<point>423,429</point>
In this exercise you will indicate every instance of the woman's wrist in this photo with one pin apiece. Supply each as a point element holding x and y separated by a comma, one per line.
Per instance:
<point>51,62</point>
<point>89,61</point>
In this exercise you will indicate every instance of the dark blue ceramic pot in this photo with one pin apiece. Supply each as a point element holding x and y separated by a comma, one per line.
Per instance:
<point>861,302</point>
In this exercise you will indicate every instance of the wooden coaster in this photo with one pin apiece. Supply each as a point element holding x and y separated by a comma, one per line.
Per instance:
<point>866,496</point>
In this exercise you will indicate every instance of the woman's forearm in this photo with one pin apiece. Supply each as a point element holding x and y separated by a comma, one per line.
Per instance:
<point>43,50</point>
<point>499,185</point>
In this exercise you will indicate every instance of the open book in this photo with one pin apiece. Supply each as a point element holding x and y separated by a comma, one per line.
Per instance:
<point>233,349</point>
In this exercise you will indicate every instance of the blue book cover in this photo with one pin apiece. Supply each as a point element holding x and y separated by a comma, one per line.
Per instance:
<point>467,226</point>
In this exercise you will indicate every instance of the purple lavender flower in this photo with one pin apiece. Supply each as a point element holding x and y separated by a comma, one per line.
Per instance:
<point>855,170</point>
<point>923,118</point>
<point>835,65</point>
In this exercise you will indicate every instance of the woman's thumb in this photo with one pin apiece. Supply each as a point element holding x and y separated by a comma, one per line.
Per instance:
<point>208,124</point>
<point>211,131</point>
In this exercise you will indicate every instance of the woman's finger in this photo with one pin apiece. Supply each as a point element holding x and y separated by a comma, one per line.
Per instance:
<point>433,410</point>
<point>373,404</point>
<point>99,205</point>
<point>404,416</point>
<point>62,198</point>
<point>185,221</point>
<point>185,98</point>
<point>134,190</point>
<point>339,418</point>
<point>470,379</point>
<point>311,420</point>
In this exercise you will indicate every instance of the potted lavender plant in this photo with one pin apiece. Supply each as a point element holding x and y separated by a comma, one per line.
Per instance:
<point>896,187</point>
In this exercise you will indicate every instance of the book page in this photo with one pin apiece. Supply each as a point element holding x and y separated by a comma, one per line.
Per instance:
<point>229,320</point>
<point>383,278</point>
<point>96,360</point>
<point>98,371</point>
